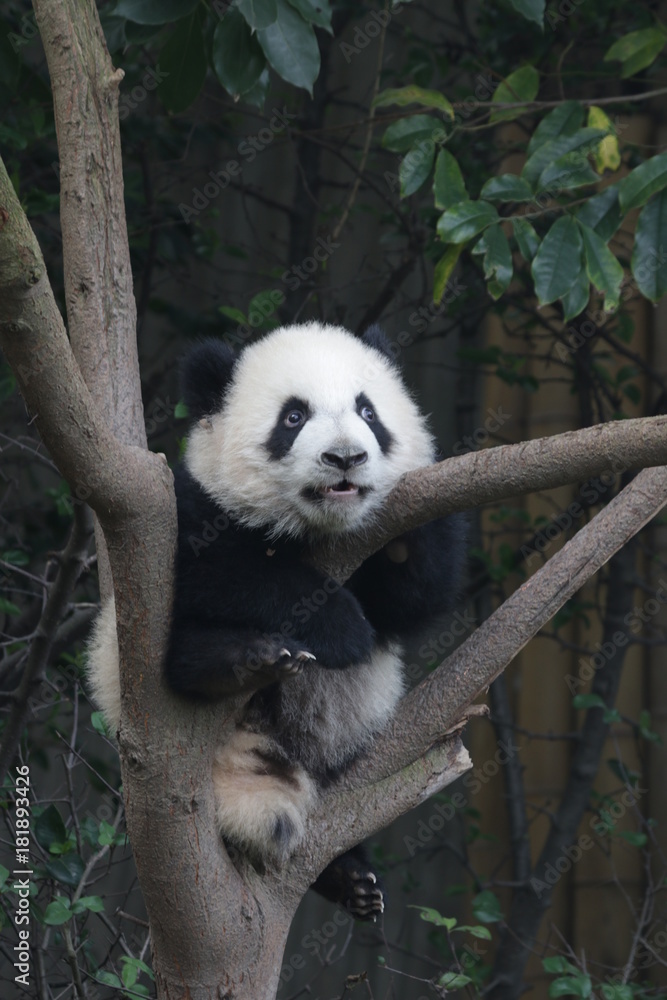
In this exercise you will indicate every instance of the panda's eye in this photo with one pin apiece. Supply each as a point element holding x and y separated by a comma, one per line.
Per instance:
<point>294,418</point>
<point>368,414</point>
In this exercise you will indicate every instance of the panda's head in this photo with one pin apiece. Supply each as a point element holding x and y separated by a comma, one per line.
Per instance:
<point>306,432</point>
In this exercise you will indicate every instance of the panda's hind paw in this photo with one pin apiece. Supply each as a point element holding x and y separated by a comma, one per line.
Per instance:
<point>367,896</point>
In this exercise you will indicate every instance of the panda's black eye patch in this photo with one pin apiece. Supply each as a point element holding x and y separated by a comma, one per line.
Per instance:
<point>294,413</point>
<point>368,413</point>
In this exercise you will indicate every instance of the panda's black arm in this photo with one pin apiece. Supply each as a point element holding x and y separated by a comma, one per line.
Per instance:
<point>414,579</point>
<point>211,661</point>
<point>237,610</point>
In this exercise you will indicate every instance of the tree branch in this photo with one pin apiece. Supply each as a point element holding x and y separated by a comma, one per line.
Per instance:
<point>96,254</point>
<point>440,702</point>
<point>466,481</point>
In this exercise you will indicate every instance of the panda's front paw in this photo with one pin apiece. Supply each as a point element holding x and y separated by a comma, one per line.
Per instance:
<point>274,660</point>
<point>289,664</point>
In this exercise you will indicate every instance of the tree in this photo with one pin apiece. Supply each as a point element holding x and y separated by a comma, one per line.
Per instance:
<point>84,395</point>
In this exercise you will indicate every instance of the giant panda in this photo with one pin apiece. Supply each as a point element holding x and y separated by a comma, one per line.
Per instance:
<point>298,439</point>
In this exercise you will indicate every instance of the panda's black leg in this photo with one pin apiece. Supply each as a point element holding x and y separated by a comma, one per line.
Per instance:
<point>351,882</point>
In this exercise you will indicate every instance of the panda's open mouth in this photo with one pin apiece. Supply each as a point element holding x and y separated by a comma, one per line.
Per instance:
<point>341,489</point>
<point>344,490</point>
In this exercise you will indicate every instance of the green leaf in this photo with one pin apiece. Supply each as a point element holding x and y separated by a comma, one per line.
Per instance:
<point>570,171</point>
<point>578,986</point>
<point>649,256</point>
<point>406,132</point>
<point>477,931</point>
<point>58,912</point>
<point>486,907</point>
<point>558,261</point>
<point>257,13</point>
<point>49,828</point>
<point>617,991</point>
<point>453,981</point>
<point>506,187</point>
<point>155,11</point>
<point>443,270</point>
<point>607,156</point>
<point>636,839</point>
<point>98,723</point>
<point>415,168</point>
<point>108,979</point>
<point>498,268</point>
<point>448,185</point>
<point>602,212</point>
<point>558,964</point>
<point>67,869</point>
<point>234,314</point>
<point>585,140</point>
<point>414,95</point>
<point>433,917</point>
<point>527,239</point>
<point>521,85</point>
<point>642,182</point>
<point>603,270</point>
<point>93,903</point>
<point>638,49</point>
<point>532,10</point>
<point>181,411</point>
<point>237,56</point>
<point>463,221</point>
<point>316,11</point>
<point>9,608</point>
<point>183,59</point>
<point>566,119</point>
<point>575,301</point>
<point>588,701</point>
<point>291,47</point>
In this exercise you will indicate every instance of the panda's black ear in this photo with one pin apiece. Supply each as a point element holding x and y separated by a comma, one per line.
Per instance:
<point>375,337</point>
<point>206,371</point>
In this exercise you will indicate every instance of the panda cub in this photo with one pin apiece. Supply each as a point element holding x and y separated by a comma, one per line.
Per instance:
<point>299,438</point>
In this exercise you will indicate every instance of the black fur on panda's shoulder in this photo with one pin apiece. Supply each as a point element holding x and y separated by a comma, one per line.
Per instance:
<point>205,374</point>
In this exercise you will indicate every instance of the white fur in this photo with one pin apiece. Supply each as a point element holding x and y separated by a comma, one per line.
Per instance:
<point>103,666</point>
<point>328,367</point>
<point>249,804</point>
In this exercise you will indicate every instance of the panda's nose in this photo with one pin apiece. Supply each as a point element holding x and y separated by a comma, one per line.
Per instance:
<point>344,458</point>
